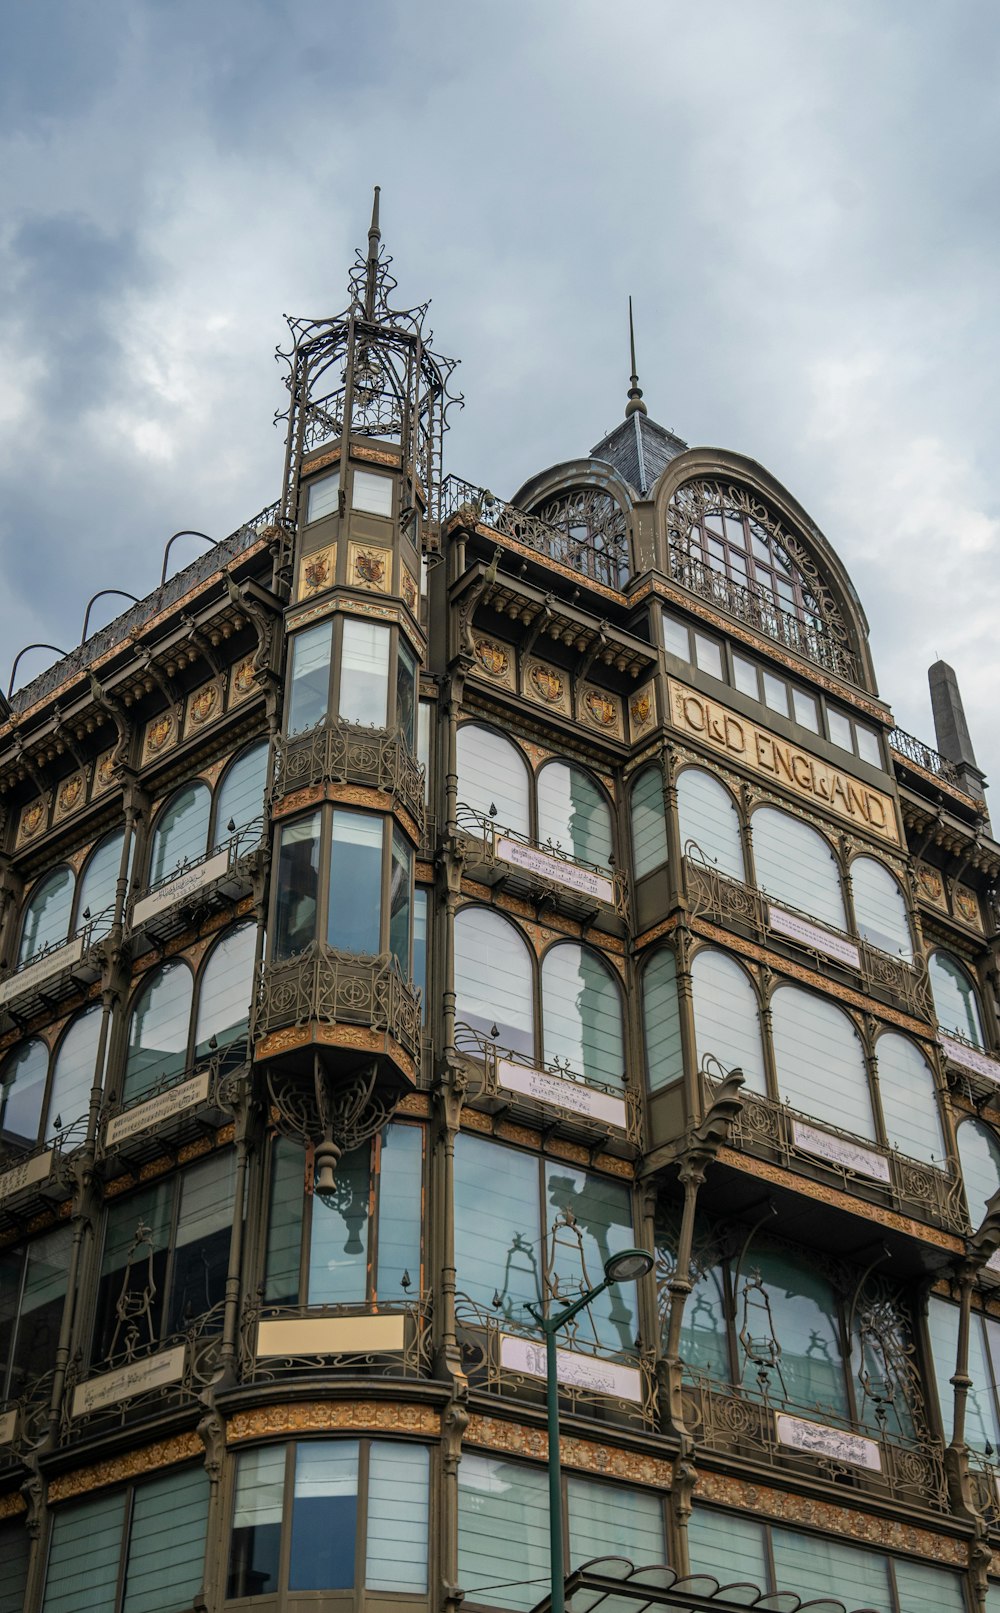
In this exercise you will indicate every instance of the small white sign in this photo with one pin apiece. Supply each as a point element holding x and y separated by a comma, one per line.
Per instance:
<point>863,1161</point>
<point>144,1115</point>
<point>151,1372</point>
<point>183,885</point>
<point>813,936</point>
<point>564,873</point>
<point>573,1369</point>
<point>8,1427</point>
<point>993,1264</point>
<point>970,1058</point>
<point>836,1443</point>
<point>33,1170</point>
<point>559,1093</point>
<point>35,973</point>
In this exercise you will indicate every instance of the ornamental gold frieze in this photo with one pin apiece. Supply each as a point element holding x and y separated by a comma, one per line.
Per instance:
<point>510,1131</point>
<point>361,795</point>
<point>514,1439</point>
<point>556,928</point>
<point>130,1465</point>
<point>414,1103</point>
<point>12,1504</point>
<point>360,1037</point>
<point>326,1416</point>
<point>649,936</point>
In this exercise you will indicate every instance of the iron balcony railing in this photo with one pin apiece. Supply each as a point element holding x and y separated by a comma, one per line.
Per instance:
<point>477,507</point>
<point>576,885</point>
<point>348,753</point>
<point>331,987</point>
<point>392,1339</point>
<point>914,750</point>
<point>581,1101</point>
<point>144,1380</point>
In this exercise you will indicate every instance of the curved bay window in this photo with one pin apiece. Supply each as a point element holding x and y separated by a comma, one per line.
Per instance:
<point>493,778</point>
<point>649,823</point>
<point>709,822</point>
<point>796,864</point>
<point>727,1018</point>
<point>345,881</point>
<point>355,671</point>
<point>880,908</point>
<point>955,1001</point>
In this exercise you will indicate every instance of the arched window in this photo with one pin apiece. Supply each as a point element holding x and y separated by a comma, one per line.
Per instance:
<point>573,814</point>
<point>649,823</point>
<point>582,1014</point>
<point>493,979</point>
<point>45,922</point>
<point>709,818</point>
<point>239,800</point>
<point>782,1299</point>
<point>181,833</point>
<point>22,1091</point>
<point>880,908</point>
<point>795,864</point>
<point>158,1030</point>
<point>73,1075</point>
<point>909,1100</point>
<point>98,883</point>
<point>820,1061</point>
<point>661,1020</point>
<point>979,1153</point>
<point>590,533</point>
<point>225,990</point>
<point>955,998</point>
<point>726,1021</point>
<point>493,778</point>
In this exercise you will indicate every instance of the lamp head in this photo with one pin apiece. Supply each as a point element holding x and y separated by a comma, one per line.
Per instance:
<point>628,1266</point>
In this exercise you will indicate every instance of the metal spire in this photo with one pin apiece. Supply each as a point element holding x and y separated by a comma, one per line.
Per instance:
<point>635,404</point>
<point>374,242</point>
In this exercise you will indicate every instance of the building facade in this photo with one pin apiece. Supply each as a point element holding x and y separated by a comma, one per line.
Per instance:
<point>418,899</point>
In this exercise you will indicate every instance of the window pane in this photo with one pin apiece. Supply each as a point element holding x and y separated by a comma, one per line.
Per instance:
<point>354,922</point>
<point>954,998</point>
<point>979,1153</point>
<point>924,1589</point>
<point>158,1030</point>
<point>98,885</point>
<point>776,693</point>
<point>795,864</point>
<point>675,637</point>
<point>400,887</point>
<point>284,1223</point>
<point>503,1532</point>
<point>608,1520</point>
<point>324,1516</point>
<point>705,1332</point>
<point>493,980</point>
<point>22,1092</point>
<point>492,778</point>
<point>728,1546</point>
<point>821,1064</point>
<point>14,1545</point>
<point>373,492</point>
<point>225,990</point>
<point>788,1329</point>
<point>181,832</point>
<point>364,673</point>
<point>323,497</point>
<point>133,1273</point>
<point>868,745</point>
<point>880,908</point>
<point>406,691</point>
<point>909,1101</point>
<point>981,1426</point>
<point>582,1014</point>
<point>745,676</point>
<point>338,1247</point>
<point>201,1242</point>
<point>649,826</point>
<point>708,655</point>
<point>573,814</point>
<point>709,820</point>
<point>815,1566</point>
<point>805,710</point>
<point>399,1212</point>
<point>661,1018</point>
<point>497,1231</point>
<point>298,887</point>
<point>167,1543</point>
<point>600,1224</point>
<point>83,1555</point>
<point>420,946</point>
<point>398,1487</point>
<point>424,743</point>
<point>256,1538</point>
<point>73,1075</point>
<point>726,1019</point>
<point>309,677</point>
<point>840,729</point>
<point>46,918</point>
<point>31,1307</point>
<point>240,799</point>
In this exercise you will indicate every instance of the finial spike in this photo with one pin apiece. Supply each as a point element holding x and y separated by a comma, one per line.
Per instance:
<point>635,404</point>
<point>374,242</point>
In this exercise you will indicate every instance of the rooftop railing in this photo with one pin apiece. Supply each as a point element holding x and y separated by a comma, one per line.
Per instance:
<point>914,750</point>
<point>483,508</point>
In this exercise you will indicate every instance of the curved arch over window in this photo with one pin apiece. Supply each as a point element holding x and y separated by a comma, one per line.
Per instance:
<point>796,864</point>
<point>493,979</point>
<point>225,990</point>
<point>45,921</point>
<point>573,814</point>
<point>820,1061</point>
<point>880,908</point>
<point>955,1001</point>
<point>662,1021</point>
<point>726,1019</point>
<point>709,818</point>
<point>158,1030</point>
<point>239,799</point>
<point>98,883</point>
<point>181,832</point>
<point>592,533</point>
<point>979,1153</point>
<point>909,1100</point>
<point>492,773</point>
<point>73,1074</point>
<point>22,1091</point>
<point>649,822</point>
<point>582,1013</point>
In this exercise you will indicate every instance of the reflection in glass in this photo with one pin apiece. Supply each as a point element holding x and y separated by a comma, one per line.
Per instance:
<point>46,918</point>
<point>493,778</point>
<point>298,887</point>
<point>955,998</point>
<point>309,677</point>
<point>498,1254</point>
<point>400,886</point>
<point>649,826</point>
<point>225,990</point>
<point>661,1020</point>
<point>22,1091</point>
<point>98,884</point>
<point>589,1219</point>
<point>32,1290</point>
<point>181,832</point>
<point>354,919</point>
<point>789,1333</point>
<point>73,1074</point>
<point>573,814</point>
<point>240,797</point>
<point>709,822</point>
<point>324,1516</point>
<point>158,1030</point>
<point>406,691</point>
<point>364,673</point>
<point>493,980</point>
<point>582,1014</point>
<point>256,1538</point>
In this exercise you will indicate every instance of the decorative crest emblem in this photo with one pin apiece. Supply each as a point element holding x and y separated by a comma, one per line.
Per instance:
<point>159,732</point>
<point>600,707</point>
<point>548,685</point>
<point>493,658</point>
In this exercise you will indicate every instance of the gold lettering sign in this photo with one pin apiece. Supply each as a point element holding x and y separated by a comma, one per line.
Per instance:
<point>770,757</point>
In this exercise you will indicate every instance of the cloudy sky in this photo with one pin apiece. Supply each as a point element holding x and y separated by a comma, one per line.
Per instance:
<point>802,198</point>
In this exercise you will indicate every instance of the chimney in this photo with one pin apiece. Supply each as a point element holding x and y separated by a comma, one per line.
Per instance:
<point>951,728</point>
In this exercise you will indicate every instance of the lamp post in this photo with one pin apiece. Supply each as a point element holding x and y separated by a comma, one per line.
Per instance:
<point>626,1267</point>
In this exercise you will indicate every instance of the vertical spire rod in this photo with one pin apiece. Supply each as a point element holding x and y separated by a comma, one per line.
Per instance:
<point>374,242</point>
<point>635,404</point>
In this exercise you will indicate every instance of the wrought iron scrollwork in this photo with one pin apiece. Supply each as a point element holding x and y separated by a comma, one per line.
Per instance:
<point>349,753</point>
<point>584,530</point>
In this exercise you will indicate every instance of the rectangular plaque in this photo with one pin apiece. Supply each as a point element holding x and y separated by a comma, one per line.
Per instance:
<point>35,973</point>
<point>573,1369</point>
<point>970,1058</point>
<point>549,867</point>
<point>813,936</point>
<point>833,1442</point>
<point>144,1115</point>
<point>331,1335</point>
<point>852,1156</point>
<point>181,886</point>
<point>559,1093</point>
<point>33,1170</point>
<point>8,1427</point>
<point>152,1372</point>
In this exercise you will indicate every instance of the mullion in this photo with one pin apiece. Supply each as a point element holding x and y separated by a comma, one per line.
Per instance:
<point>168,1270</point>
<point>123,1547</point>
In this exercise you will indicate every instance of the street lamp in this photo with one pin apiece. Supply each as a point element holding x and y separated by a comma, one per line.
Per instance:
<point>626,1267</point>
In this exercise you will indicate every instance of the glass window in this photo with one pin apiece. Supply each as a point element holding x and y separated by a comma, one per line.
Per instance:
<point>608,1520</point>
<point>922,1588</point>
<point>820,1061</point>
<point>354,920</point>
<point>32,1291</point>
<point>805,710</point>
<point>255,1543</point>
<point>796,864</point>
<point>398,1487</point>
<point>225,991</point>
<point>400,893</point>
<point>727,1025</point>
<point>661,1021</point>
<point>979,1152</point>
<point>776,693</point>
<point>324,497</point>
<point>98,884</point>
<point>868,746</point>
<point>240,798</point>
<point>588,1218</point>
<point>419,974</point>
<point>818,1566</point>
<point>498,1231</point>
<point>406,691</point>
<point>181,832</point>
<point>493,980</point>
<point>324,1516</point>
<point>45,923</point>
<point>84,1551</point>
<point>909,1100</point>
<point>709,821</point>
<point>728,1546</point>
<point>788,1328</point>
<point>373,492</point>
<point>954,998</point>
<point>364,673</point>
<point>582,1014</point>
<point>158,1031</point>
<point>297,887</point>
<point>503,1532</point>
<point>14,1548</point>
<point>745,676</point>
<point>649,824</point>
<point>708,655</point>
<point>73,1076</point>
<point>22,1092</point>
<point>493,778</point>
<point>982,1426</point>
<point>840,729</point>
<point>573,814</point>
<point>166,1547</point>
<point>424,708</point>
<point>675,637</point>
<point>309,677</point>
<point>880,908</point>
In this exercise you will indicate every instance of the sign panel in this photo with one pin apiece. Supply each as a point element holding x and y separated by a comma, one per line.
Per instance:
<point>970,1058</point>
<point>549,867</point>
<point>152,1372</point>
<point>33,1170</point>
<point>184,885</point>
<point>144,1115</point>
<point>813,936</point>
<point>35,973</point>
<point>573,1369</point>
<point>8,1427</point>
<point>852,1156</point>
<point>559,1093</point>
<point>331,1335</point>
<point>836,1443</point>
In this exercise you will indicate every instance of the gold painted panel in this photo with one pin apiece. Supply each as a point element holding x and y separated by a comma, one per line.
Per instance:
<point>241,681</point>
<point>319,1416</point>
<point>546,685</point>
<point>642,711</point>
<point>204,705</point>
<point>601,710</point>
<point>317,572</point>
<point>164,1453</point>
<point>71,794</point>
<point>494,660</point>
<point>369,566</point>
<point>160,735</point>
<point>34,818</point>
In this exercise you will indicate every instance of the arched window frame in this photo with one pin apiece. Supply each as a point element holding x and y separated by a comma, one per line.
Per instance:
<point>591,777</point>
<point>540,1032</point>
<point>760,1004</point>
<point>218,834</point>
<point>189,783</point>
<point>37,887</point>
<point>977,1211</point>
<point>784,983</point>
<point>534,967</point>
<point>884,1031</point>
<point>977,1000</point>
<point>512,741</point>
<point>745,877</point>
<point>648,962</point>
<point>245,924</point>
<point>142,987</point>
<point>46,1084</point>
<point>655,771</point>
<point>78,920</point>
<point>897,879</point>
<point>771,805</point>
